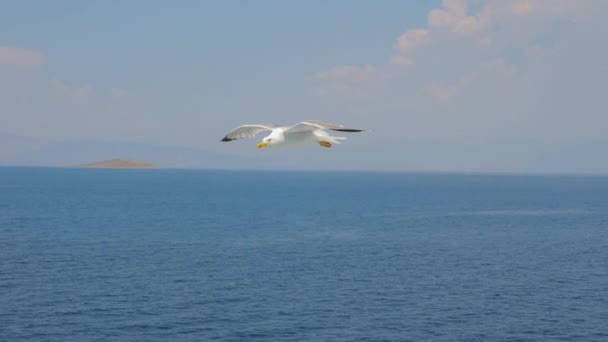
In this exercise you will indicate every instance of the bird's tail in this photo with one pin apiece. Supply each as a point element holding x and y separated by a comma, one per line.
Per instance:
<point>324,136</point>
<point>335,140</point>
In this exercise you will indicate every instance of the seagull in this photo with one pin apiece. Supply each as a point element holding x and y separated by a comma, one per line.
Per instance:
<point>304,132</point>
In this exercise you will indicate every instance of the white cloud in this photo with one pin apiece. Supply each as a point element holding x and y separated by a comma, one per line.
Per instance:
<point>544,8</point>
<point>521,7</point>
<point>498,24</point>
<point>15,57</point>
<point>453,34</point>
<point>412,39</point>
<point>456,7</point>
<point>453,16</point>
<point>401,61</point>
<point>516,71</point>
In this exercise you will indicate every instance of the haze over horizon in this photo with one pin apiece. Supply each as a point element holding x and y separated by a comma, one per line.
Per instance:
<point>453,85</point>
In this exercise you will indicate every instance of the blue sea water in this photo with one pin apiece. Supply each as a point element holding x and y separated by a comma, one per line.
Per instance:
<point>185,255</point>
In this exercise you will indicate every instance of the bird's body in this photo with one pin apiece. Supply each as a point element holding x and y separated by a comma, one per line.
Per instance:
<point>302,133</point>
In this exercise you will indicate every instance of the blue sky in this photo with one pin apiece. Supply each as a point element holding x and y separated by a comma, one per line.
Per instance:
<point>512,86</point>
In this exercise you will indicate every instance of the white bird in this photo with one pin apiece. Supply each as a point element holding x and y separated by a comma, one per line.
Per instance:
<point>310,131</point>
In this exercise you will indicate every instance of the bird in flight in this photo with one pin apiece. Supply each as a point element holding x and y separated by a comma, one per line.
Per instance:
<point>302,133</point>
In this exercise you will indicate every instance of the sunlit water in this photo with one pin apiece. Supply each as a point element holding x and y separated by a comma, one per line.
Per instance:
<point>176,255</point>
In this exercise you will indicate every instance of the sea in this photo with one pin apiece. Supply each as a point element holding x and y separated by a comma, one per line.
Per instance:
<point>198,255</point>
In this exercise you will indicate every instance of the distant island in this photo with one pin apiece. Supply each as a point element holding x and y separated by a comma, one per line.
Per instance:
<point>119,164</point>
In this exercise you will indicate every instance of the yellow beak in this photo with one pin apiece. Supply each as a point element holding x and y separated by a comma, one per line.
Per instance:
<point>262,144</point>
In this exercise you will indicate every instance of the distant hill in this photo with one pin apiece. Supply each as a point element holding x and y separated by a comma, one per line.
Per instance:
<point>119,164</point>
<point>26,151</point>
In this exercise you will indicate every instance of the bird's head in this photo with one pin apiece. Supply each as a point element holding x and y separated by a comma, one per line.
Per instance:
<point>271,140</point>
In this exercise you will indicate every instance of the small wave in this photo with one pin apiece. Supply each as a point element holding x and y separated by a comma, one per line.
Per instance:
<point>521,212</point>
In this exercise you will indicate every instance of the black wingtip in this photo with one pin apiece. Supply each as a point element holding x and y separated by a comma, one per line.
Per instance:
<point>226,139</point>
<point>350,130</point>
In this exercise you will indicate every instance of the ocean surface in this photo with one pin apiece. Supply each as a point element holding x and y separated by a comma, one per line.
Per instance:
<point>186,255</point>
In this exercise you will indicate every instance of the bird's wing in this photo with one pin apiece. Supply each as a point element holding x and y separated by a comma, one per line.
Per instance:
<point>247,131</point>
<point>313,125</point>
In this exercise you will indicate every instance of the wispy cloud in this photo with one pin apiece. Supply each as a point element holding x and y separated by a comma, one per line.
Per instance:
<point>348,73</point>
<point>15,57</point>
<point>490,71</point>
<point>117,93</point>
<point>72,95</point>
<point>412,39</point>
<point>453,16</point>
<point>352,81</point>
<point>497,70</point>
<point>461,39</point>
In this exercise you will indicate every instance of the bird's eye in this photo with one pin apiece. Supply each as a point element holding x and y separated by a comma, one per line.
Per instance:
<point>269,139</point>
